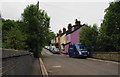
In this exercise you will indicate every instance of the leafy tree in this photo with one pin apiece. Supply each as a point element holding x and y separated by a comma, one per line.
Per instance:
<point>12,35</point>
<point>88,36</point>
<point>0,32</point>
<point>31,33</point>
<point>108,37</point>
<point>110,28</point>
<point>49,37</point>
<point>6,26</point>
<point>37,24</point>
<point>14,39</point>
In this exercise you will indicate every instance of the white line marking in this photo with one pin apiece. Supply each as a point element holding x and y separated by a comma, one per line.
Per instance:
<point>44,71</point>
<point>56,66</point>
<point>103,60</point>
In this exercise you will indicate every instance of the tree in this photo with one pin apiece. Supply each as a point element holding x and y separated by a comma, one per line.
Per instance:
<point>37,26</point>
<point>12,35</point>
<point>88,35</point>
<point>31,33</point>
<point>6,26</point>
<point>110,28</point>
<point>0,31</point>
<point>14,39</point>
<point>49,37</point>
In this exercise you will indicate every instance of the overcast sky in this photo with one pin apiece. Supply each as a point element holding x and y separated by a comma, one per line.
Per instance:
<point>62,12</point>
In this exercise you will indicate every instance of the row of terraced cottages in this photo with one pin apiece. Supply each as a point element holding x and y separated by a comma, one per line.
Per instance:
<point>67,37</point>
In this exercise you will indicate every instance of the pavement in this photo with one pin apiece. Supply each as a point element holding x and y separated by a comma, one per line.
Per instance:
<point>22,65</point>
<point>59,64</point>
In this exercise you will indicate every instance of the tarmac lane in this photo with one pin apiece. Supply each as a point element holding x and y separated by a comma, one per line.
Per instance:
<point>57,64</point>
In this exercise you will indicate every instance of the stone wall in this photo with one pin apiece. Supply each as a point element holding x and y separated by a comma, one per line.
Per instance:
<point>113,56</point>
<point>12,53</point>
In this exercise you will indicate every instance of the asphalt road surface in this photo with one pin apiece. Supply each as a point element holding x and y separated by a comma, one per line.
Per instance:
<point>22,65</point>
<point>59,64</point>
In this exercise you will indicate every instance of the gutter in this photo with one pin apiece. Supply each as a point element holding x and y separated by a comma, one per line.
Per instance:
<point>43,68</point>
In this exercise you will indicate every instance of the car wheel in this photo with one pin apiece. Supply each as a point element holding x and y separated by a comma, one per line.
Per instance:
<point>84,57</point>
<point>70,55</point>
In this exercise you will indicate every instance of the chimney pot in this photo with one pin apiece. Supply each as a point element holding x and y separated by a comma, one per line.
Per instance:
<point>64,30</point>
<point>69,27</point>
<point>60,31</point>
<point>77,22</point>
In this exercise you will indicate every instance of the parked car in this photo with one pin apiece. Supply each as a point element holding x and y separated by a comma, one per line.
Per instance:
<point>51,48</point>
<point>77,50</point>
<point>56,51</point>
<point>47,47</point>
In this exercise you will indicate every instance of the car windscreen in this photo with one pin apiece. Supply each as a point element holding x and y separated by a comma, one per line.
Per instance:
<point>80,47</point>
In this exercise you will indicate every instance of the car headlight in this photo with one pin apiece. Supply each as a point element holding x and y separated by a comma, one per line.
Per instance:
<point>88,53</point>
<point>80,53</point>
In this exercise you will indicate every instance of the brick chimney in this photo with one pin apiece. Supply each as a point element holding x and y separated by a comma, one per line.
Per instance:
<point>77,22</point>
<point>60,32</point>
<point>64,30</point>
<point>69,27</point>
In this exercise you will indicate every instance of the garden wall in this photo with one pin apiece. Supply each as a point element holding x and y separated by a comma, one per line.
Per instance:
<point>113,56</point>
<point>12,53</point>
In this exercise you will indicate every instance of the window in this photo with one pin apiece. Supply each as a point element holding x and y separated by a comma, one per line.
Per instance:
<point>80,48</point>
<point>75,49</point>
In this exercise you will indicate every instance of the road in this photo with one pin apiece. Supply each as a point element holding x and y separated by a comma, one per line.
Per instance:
<point>22,65</point>
<point>60,64</point>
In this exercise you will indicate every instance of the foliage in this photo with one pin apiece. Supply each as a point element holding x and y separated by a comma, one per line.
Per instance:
<point>14,39</point>
<point>37,24</point>
<point>110,28</point>
<point>107,38</point>
<point>12,36</point>
<point>0,32</point>
<point>88,36</point>
<point>49,37</point>
<point>31,33</point>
